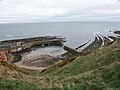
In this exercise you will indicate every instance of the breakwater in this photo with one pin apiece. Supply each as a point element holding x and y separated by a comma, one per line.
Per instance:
<point>18,45</point>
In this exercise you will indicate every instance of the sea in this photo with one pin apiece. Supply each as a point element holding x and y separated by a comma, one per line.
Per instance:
<point>76,33</point>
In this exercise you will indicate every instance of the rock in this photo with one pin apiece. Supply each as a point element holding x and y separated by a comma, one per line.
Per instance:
<point>117,32</point>
<point>3,56</point>
<point>38,60</point>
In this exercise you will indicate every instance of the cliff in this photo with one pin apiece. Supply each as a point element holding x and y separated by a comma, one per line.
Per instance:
<point>96,71</point>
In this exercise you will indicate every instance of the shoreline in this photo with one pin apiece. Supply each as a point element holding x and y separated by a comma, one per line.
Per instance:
<point>18,47</point>
<point>41,61</point>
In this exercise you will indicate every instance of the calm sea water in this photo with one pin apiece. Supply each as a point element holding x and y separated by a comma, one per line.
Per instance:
<point>76,32</point>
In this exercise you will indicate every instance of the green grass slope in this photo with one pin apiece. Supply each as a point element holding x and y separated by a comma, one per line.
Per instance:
<point>99,70</point>
<point>14,78</point>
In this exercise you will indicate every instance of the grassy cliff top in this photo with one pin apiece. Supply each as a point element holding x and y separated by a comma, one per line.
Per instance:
<point>96,71</point>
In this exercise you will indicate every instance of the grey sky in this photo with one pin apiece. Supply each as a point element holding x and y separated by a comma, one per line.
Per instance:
<point>59,10</point>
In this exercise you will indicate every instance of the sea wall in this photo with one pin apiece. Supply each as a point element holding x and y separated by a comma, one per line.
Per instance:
<point>18,45</point>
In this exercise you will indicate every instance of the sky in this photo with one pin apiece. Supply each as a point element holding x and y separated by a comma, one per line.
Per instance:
<point>12,11</point>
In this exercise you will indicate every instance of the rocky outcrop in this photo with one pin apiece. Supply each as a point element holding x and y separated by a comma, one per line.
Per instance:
<point>37,61</point>
<point>117,32</point>
<point>94,45</point>
<point>98,42</point>
<point>113,38</point>
<point>3,56</point>
<point>73,51</point>
<point>82,45</point>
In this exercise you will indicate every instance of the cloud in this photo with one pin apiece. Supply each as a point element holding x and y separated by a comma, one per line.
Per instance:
<point>59,10</point>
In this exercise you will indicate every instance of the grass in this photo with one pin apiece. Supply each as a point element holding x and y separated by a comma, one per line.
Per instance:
<point>16,85</point>
<point>98,59</point>
<point>98,70</point>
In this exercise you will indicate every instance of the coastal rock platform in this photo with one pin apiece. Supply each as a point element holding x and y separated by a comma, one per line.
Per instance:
<point>37,61</point>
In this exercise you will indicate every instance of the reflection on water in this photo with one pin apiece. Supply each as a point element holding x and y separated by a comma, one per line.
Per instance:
<point>48,50</point>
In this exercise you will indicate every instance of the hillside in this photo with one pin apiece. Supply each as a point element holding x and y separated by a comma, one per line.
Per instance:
<point>96,71</point>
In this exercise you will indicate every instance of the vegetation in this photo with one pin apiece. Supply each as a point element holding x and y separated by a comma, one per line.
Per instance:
<point>16,85</point>
<point>98,70</point>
